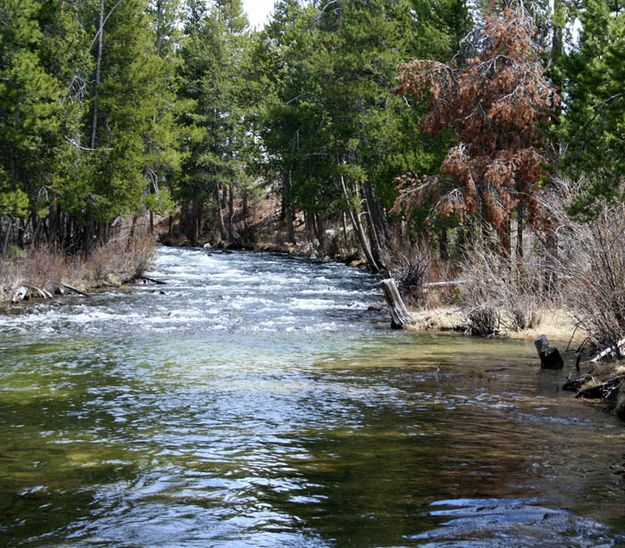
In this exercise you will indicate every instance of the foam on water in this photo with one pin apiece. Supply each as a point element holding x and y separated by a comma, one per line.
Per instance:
<point>213,292</point>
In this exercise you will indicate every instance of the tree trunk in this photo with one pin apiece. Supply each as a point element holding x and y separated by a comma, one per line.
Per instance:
<point>87,235</point>
<point>503,234</point>
<point>443,244</point>
<point>400,317</point>
<point>551,278</point>
<point>220,216</point>
<point>36,222</point>
<point>7,237</point>
<point>319,230</point>
<point>195,220</point>
<point>289,213</point>
<point>519,235</point>
<point>98,68</point>
<point>362,237</point>
<point>230,212</point>
<point>376,248</point>
<point>131,232</point>
<point>377,215</point>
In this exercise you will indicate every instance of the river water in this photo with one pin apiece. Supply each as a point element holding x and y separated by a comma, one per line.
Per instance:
<point>261,400</point>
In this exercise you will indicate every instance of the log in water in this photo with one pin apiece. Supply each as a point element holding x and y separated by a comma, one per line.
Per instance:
<point>264,401</point>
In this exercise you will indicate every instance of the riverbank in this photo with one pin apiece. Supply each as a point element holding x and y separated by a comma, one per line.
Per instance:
<point>557,324</point>
<point>44,272</point>
<point>260,225</point>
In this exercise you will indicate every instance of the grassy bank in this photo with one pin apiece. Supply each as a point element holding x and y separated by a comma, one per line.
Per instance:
<point>557,325</point>
<point>45,271</point>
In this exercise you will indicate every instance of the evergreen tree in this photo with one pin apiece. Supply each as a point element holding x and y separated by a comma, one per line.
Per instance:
<point>129,127</point>
<point>37,114</point>
<point>594,119</point>
<point>213,120</point>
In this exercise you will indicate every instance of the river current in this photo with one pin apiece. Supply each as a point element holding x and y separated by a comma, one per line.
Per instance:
<point>261,400</point>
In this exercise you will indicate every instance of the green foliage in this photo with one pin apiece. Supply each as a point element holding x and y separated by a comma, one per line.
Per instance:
<point>188,103</point>
<point>212,117</point>
<point>594,121</point>
<point>328,107</point>
<point>31,113</point>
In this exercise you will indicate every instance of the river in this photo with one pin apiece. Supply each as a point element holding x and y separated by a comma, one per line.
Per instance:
<point>261,400</point>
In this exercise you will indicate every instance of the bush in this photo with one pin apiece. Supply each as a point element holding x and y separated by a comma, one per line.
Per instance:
<point>47,269</point>
<point>483,321</point>
<point>411,272</point>
<point>499,292</point>
<point>590,260</point>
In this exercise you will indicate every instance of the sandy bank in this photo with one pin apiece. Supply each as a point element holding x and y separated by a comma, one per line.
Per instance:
<point>555,324</point>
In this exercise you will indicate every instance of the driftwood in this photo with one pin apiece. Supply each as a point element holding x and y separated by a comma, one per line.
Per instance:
<point>75,290</point>
<point>20,294</point>
<point>152,280</point>
<point>608,351</point>
<point>550,357</point>
<point>43,293</point>
<point>400,317</point>
<point>604,390</point>
<point>450,283</point>
<point>574,384</point>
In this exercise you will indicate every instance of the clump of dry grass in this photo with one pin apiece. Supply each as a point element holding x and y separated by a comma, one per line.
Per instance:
<point>120,260</point>
<point>47,269</point>
<point>501,293</point>
<point>43,267</point>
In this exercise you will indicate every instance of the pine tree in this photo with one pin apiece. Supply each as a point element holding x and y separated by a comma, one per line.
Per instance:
<point>130,135</point>
<point>214,125</point>
<point>594,121</point>
<point>498,105</point>
<point>36,61</point>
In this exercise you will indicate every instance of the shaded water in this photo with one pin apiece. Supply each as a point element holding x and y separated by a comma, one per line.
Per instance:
<point>262,401</point>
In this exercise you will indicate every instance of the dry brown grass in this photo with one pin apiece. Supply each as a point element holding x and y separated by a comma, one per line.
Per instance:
<point>46,268</point>
<point>119,260</point>
<point>501,293</point>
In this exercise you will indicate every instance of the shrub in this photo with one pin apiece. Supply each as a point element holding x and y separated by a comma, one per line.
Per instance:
<point>590,261</point>
<point>499,292</point>
<point>411,272</point>
<point>47,268</point>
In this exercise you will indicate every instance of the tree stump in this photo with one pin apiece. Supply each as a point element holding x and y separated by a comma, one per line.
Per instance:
<point>400,317</point>
<point>550,358</point>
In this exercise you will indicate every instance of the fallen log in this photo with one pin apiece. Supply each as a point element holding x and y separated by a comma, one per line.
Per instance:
<point>550,357</point>
<point>450,283</point>
<point>400,317</point>
<point>152,280</point>
<point>75,290</point>
<point>620,345</point>
<point>573,385</point>
<point>604,390</point>
<point>44,294</point>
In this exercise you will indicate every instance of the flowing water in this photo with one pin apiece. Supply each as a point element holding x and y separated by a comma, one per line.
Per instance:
<point>261,400</point>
